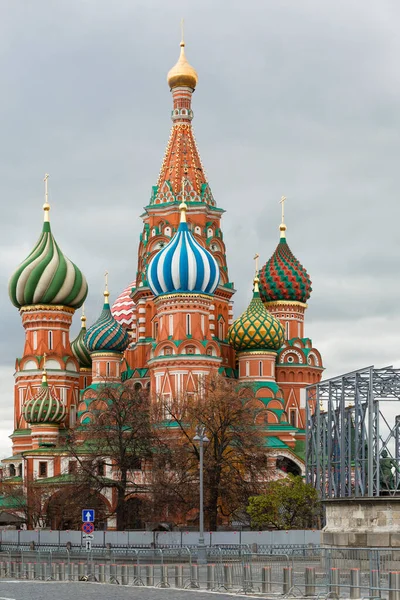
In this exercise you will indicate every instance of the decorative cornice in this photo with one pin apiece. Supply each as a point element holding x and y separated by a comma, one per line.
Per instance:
<point>256,352</point>
<point>105,355</point>
<point>285,303</point>
<point>47,307</point>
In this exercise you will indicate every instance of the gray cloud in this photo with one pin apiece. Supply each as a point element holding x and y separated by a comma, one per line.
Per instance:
<point>293,98</point>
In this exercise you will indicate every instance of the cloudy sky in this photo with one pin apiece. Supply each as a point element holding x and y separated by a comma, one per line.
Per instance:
<point>295,98</point>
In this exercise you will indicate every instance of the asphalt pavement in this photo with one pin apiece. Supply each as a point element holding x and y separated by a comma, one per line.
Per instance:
<point>39,590</point>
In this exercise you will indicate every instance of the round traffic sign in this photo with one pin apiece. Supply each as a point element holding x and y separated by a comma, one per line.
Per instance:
<point>88,527</point>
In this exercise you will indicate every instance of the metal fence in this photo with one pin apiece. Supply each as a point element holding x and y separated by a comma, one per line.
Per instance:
<point>304,571</point>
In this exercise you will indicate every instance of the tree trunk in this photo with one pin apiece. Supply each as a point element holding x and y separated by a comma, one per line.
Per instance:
<point>121,508</point>
<point>212,505</point>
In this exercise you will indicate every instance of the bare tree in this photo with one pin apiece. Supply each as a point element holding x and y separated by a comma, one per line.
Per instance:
<point>114,447</point>
<point>235,458</point>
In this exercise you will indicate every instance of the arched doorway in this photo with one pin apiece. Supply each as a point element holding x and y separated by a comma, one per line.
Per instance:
<point>287,465</point>
<point>64,509</point>
<point>135,513</point>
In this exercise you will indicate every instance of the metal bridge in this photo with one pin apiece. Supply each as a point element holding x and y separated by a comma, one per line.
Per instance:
<point>353,434</point>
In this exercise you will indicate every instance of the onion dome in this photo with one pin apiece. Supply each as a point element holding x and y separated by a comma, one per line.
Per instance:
<point>106,335</point>
<point>183,265</point>
<point>256,328</point>
<point>283,277</point>
<point>123,308</point>
<point>47,276</point>
<point>44,407</point>
<point>79,348</point>
<point>182,74</point>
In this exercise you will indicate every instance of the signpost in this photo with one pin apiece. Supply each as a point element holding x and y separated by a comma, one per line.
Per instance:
<point>88,528</point>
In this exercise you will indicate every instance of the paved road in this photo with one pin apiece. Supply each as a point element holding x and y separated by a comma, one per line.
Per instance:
<point>32,590</point>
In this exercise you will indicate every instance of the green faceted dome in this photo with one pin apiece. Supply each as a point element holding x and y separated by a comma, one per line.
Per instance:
<point>47,276</point>
<point>44,407</point>
<point>79,348</point>
<point>256,328</point>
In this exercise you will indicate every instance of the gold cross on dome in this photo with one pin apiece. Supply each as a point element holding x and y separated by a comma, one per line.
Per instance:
<point>282,203</point>
<point>106,280</point>
<point>183,31</point>
<point>256,257</point>
<point>46,189</point>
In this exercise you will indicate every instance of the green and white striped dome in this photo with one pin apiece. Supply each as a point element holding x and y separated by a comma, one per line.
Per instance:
<point>47,276</point>
<point>44,407</point>
<point>79,348</point>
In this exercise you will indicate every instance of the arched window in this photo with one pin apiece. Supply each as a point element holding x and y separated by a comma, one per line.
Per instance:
<point>210,232</point>
<point>11,469</point>
<point>167,231</point>
<point>221,329</point>
<point>197,230</point>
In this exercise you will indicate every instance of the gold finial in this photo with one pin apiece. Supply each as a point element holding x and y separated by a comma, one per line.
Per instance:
<point>256,279</point>
<point>182,74</point>
<point>282,226</point>
<point>44,374</point>
<point>46,205</point>
<point>106,292</point>
<point>182,33</point>
<point>183,205</point>
<point>83,317</point>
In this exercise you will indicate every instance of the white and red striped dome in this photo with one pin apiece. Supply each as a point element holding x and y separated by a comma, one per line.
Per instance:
<point>123,310</point>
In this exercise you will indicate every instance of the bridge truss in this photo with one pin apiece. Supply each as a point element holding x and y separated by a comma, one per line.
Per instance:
<point>352,422</point>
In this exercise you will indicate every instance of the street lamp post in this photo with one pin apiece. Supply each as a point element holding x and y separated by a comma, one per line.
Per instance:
<point>202,439</point>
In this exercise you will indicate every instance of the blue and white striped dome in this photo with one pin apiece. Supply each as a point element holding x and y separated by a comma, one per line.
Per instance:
<point>183,265</point>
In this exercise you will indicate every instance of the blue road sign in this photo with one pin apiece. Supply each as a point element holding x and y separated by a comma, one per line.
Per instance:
<point>88,515</point>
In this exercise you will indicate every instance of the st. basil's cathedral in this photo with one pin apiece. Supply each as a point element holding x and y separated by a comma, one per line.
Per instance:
<point>172,325</point>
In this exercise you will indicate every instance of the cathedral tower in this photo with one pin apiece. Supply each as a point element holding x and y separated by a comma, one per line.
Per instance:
<point>47,288</point>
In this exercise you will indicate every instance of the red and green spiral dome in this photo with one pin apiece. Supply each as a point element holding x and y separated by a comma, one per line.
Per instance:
<point>283,277</point>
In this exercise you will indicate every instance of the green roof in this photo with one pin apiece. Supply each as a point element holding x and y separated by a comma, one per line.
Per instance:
<point>274,442</point>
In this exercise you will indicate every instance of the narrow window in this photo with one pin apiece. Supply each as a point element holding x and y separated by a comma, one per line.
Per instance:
<point>50,340</point>
<point>64,339</point>
<point>221,329</point>
<point>202,324</point>
<point>171,324</point>
<point>34,340</point>
<point>247,368</point>
<point>101,468</point>
<point>155,330</point>
<point>97,368</point>
<point>85,382</point>
<point>260,368</point>
<point>20,470</point>
<point>11,470</point>
<point>287,329</point>
<point>108,369</point>
<point>43,469</point>
<point>72,415</point>
<point>188,325</point>
<point>293,417</point>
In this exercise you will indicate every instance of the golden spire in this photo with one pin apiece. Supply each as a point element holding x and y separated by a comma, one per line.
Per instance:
<point>282,226</point>
<point>256,279</point>
<point>182,74</point>
<point>44,373</point>
<point>83,317</point>
<point>183,205</point>
<point>106,292</point>
<point>46,205</point>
